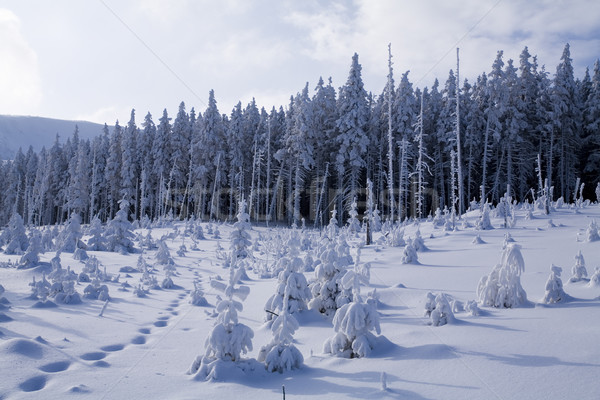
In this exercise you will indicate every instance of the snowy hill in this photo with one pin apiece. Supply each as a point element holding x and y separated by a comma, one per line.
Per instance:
<point>24,131</point>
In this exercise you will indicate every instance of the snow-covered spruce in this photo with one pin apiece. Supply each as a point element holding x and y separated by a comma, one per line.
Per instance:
<point>62,288</point>
<point>14,237</point>
<point>332,229</point>
<point>484,223</point>
<point>240,244</point>
<point>353,223</point>
<point>592,232</point>
<point>354,321</point>
<point>281,355</point>
<point>395,237</point>
<point>328,295</point>
<point>96,242</point>
<point>595,278</point>
<point>419,242</point>
<point>292,293</point>
<point>554,287</point>
<point>69,238</point>
<point>409,255</point>
<point>119,232</point>
<point>502,287</point>
<point>579,272</point>
<point>163,255</point>
<point>437,308</point>
<point>229,338</point>
<point>197,295</point>
<point>31,257</point>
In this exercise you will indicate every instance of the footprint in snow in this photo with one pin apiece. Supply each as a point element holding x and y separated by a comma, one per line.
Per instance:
<point>160,324</point>
<point>93,356</point>
<point>145,331</point>
<point>113,347</point>
<point>57,366</point>
<point>33,384</point>
<point>139,339</point>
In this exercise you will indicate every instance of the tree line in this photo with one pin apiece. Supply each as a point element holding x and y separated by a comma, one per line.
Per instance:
<point>521,131</point>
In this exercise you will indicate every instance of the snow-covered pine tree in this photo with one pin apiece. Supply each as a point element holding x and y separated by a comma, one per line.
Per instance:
<point>502,287</point>
<point>31,257</point>
<point>96,242</point>
<point>119,232</point>
<point>14,237</point>
<point>554,287</point>
<point>353,223</point>
<point>354,321</point>
<point>229,338</point>
<point>579,272</point>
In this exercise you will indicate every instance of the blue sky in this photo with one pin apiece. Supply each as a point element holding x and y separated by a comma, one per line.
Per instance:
<point>98,59</point>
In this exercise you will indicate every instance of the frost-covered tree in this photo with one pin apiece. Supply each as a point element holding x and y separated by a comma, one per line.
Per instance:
<point>353,223</point>
<point>409,255</point>
<point>592,232</point>
<point>119,232</point>
<point>96,242</point>
<point>31,257</point>
<point>327,292</point>
<point>280,354</point>
<point>354,321</point>
<point>69,238</point>
<point>502,287</point>
<point>579,272</point>
<point>554,287</point>
<point>240,244</point>
<point>14,237</point>
<point>229,338</point>
<point>438,309</point>
<point>484,223</point>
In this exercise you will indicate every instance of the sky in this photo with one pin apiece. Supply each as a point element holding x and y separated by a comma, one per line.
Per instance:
<point>96,60</point>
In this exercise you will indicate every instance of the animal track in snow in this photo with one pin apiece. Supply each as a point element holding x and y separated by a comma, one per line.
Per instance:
<point>57,366</point>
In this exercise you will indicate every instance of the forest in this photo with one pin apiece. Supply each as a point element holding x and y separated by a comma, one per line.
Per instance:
<point>517,130</point>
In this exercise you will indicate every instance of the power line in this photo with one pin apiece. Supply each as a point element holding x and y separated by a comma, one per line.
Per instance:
<point>153,53</point>
<point>459,41</point>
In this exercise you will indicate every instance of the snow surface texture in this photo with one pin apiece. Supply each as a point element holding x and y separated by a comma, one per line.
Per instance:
<point>141,346</point>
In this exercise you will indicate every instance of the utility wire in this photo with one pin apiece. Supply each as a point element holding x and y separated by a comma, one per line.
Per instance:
<point>153,53</point>
<point>459,41</point>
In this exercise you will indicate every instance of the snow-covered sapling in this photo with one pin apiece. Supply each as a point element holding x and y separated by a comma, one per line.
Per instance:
<point>502,287</point>
<point>229,338</point>
<point>592,232</point>
<point>31,257</point>
<point>69,238</point>
<point>197,296</point>
<point>579,271</point>
<point>119,232</point>
<point>409,255</point>
<point>14,236</point>
<point>595,278</point>
<point>240,243</point>
<point>353,223</point>
<point>353,322</point>
<point>554,287</point>
<point>163,255</point>
<point>96,242</point>
<point>438,309</point>
<point>484,222</point>
<point>281,355</point>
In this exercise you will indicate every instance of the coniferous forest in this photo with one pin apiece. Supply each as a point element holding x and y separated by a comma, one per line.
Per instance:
<point>517,129</point>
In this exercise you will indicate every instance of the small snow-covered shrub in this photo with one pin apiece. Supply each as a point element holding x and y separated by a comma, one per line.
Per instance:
<point>229,338</point>
<point>478,240</point>
<point>554,287</point>
<point>595,278</point>
<point>419,242</point>
<point>395,237</point>
<point>96,290</point>
<point>14,236</point>
<point>592,232</point>
<point>354,321</point>
<point>96,242</point>
<point>119,232</point>
<point>484,222</point>
<point>472,308</point>
<point>31,257</point>
<point>502,287</point>
<point>163,255</point>
<point>579,271</point>
<point>197,296</point>
<point>353,223</point>
<point>409,255</point>
<point>441,313</point>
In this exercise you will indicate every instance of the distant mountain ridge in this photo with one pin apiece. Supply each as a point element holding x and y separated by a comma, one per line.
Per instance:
<point>24,131</point>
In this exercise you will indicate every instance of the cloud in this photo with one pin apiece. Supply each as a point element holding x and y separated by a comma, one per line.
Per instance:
<point>20,83</point>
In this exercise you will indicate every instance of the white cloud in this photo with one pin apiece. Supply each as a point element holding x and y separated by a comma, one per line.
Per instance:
<point>20,83</point>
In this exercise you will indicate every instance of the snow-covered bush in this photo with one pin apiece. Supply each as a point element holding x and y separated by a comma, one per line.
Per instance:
<point>478,240</point>
<point>354,321</point>
<point>62,288</point>
<point>472,308</point>
<point>163,255</point>
<point>119,232</point>
<point>96,242</point>
<point>281,355</point>
<point>40,290</point>
<point>31,257</point>
<point>502,287</point>
<point>229,338</point>
<point>579,271</point>
<point>592,232</point>
<point>47,240</point>
<point>437,308</point>
<point>595,278</point>
<point>438,220</point>
<point>69,238</point>
<point>554,287</point>
<point>332,229</point>
<point>327,293</point>
<point>14,236</point>
<point>292,287</point>
<point>197,296</point>
<point>419,242</point>
<point>395,237</point>
<point>409,255</point>
<point>96,290</point>
<point>484,222</point>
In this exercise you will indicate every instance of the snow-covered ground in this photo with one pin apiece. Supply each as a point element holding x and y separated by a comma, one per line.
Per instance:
<point>142,347</point>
